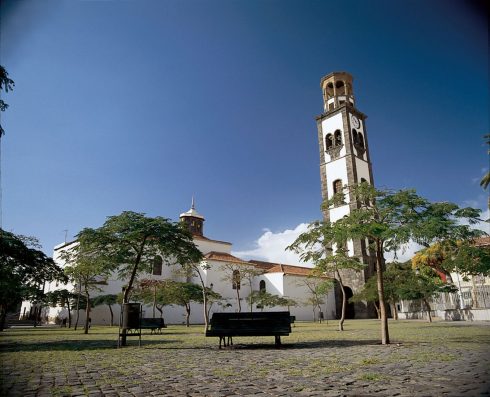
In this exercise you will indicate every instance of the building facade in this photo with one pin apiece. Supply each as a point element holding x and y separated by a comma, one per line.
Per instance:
<point>345,162</point>
<point>221,271</point>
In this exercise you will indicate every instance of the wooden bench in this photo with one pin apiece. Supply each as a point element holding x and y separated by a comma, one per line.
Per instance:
<point>154,324</point>
<point>228,325</point>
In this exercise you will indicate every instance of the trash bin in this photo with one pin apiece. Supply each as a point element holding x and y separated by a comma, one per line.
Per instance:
<point>131,316</point>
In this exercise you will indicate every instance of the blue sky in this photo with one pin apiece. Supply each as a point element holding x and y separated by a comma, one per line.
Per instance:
<point>138,105</point>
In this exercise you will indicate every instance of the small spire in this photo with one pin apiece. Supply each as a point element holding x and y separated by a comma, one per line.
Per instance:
<point>192,203</point>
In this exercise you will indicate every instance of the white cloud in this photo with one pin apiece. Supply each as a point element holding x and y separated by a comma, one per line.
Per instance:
<point>405,253</point>
<point>271,247</point>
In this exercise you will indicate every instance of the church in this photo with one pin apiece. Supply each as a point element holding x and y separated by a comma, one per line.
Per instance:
<point>344,161</point>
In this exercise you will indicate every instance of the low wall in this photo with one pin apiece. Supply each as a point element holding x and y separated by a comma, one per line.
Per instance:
<point>449,315</point>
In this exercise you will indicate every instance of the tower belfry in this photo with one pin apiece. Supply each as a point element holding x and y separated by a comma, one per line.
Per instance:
<point>194,220</point>
<point>344,162</point>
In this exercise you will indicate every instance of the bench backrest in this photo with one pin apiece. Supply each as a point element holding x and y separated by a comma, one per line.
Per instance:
<point>152,322</point>
<point>280,321</point>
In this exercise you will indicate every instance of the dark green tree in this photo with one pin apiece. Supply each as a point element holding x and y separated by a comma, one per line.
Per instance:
<point>183,294</point>
<point>6,84</point>
<point>389,220</point>
<point>154,293</point>
<point>109,300</point>
<point>263,299</point>
<point>24,269</point>
<point>128,243</point>
<point>61,298</point>
<point>423,284</point>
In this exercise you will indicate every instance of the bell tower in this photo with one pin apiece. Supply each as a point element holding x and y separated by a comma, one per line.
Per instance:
<point>193,220</point>
<point>344,162</point>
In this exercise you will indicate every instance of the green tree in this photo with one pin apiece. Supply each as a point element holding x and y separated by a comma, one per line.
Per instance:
<point>318,288</point>
<point>264,299</point>
<point>248,275</point>
<point>237,274</point>
<point>152,292</point>
<point>6,84</point>
<point>389,220</point>
<point>461,256</point>
<point>129,242</point>
<point>394,279</point>
<point>61,298</point>
<point>183,294</point>
<point>86,272</point>
<point>109,300</point>
<point>24,269</point>
<point>423,284</point>
<point>315,245</point>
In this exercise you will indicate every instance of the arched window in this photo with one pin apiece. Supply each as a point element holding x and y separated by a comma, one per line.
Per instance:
<point>337,186</point>
<point>360,140</point>
<point>355,136</point>
<point>262,286</point>
<point>236,280</point>
<point>157,266</point>
<point>329,141</point>
<point>338,138</point>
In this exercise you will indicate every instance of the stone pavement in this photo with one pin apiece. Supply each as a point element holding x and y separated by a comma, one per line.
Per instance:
<point>330,368</point>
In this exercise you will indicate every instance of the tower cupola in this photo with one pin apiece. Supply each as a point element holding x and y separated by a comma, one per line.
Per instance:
<point>193,220</point>
<point>337,90</point>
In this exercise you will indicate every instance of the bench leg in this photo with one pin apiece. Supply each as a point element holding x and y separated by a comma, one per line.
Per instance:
<point>277,339</point>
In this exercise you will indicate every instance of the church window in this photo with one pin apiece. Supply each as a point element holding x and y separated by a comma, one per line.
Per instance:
<point>355,136</point>
<point>360,140</point>
<point>329,141</point>
<point>337,186</point>
<point>262,286</point>
<point>236,280</point>
<point>338,138</point>
<point>157,266</point>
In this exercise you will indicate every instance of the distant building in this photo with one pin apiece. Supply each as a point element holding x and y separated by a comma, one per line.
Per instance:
<point>277,279</point>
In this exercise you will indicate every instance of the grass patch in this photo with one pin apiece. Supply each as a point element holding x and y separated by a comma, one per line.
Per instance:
<point>372,377</point>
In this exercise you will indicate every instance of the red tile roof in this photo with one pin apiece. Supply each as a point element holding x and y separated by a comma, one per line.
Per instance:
<point>224,257</point>
<point>482,241</point>
<point>270,267</point>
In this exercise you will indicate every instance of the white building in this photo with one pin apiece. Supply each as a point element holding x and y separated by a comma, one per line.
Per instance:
<point>216,270</point>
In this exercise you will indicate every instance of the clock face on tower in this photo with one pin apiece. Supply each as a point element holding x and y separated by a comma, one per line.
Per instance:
<point>355,122</point>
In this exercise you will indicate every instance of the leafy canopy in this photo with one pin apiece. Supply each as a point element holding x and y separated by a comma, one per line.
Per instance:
<point>24,269</point>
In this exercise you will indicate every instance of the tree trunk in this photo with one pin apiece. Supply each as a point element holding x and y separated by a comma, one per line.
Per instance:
<point>385,337</point>
<point>69,312</point>
<point>187,315</point>
<point>154,299</point>
<point>130,285</point>
<point>87,313</point>
<point>160,309</point>
<point>238,298</point>
<point>344,302</point>
<point>112,315</point>
<point>427,306</point>
<point>395,311</point>
<point>78,302</point>
<point>377,310</point>
<point>204,297</point>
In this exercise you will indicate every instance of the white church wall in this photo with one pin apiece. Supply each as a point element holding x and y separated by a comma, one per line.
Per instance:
<point>295,289</point>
